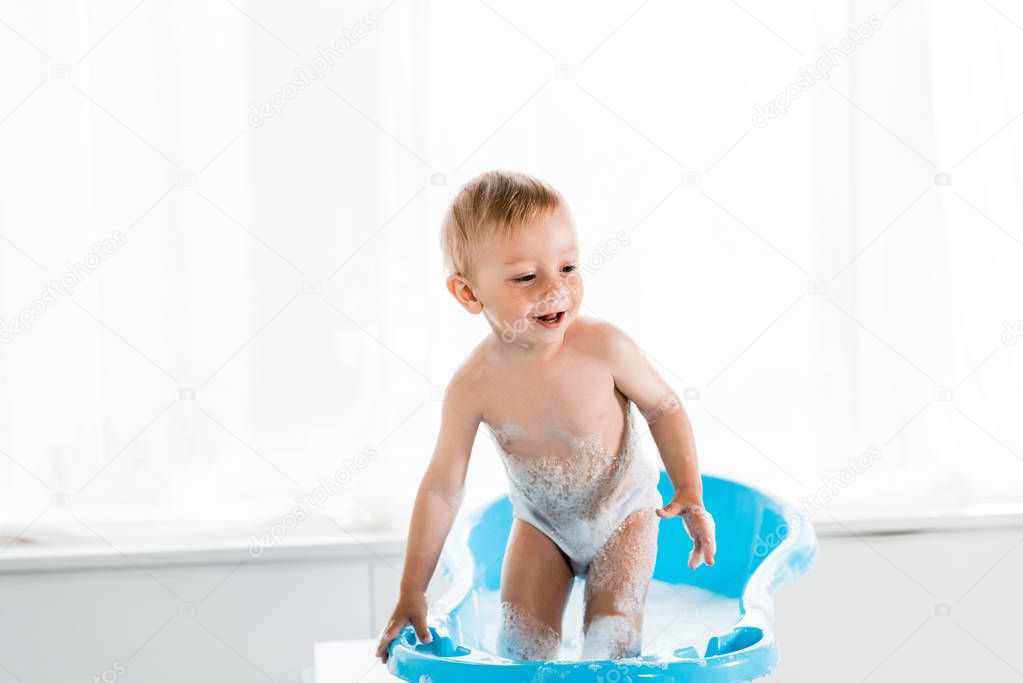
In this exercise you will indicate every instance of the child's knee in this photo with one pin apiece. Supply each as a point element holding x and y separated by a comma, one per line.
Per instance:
<point>524,636</point>
<point>612,636</point>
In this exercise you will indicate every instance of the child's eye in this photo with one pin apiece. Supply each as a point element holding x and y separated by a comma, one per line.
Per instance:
<point>524,278</point>
<point>569,268</point>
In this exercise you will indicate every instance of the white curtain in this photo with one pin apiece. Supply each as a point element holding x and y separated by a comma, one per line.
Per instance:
<point>272,303</point>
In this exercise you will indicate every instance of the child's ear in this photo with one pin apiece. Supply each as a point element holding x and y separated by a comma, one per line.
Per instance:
<point>461,289</point>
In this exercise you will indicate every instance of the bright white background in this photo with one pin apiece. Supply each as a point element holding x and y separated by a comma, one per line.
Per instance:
<point>809,283</point>
<point>842,280</point>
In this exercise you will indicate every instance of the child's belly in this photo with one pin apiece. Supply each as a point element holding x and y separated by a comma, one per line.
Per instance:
<point>567,487</point>
<point>579,503</point>
<point>583,482</point>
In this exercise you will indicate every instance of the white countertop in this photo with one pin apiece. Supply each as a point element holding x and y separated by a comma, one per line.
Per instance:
<point>349,661</point>
<point>112,552</point>
<point>54,557</point>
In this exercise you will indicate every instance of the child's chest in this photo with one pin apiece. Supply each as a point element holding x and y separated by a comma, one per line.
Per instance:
<point>555,410</point>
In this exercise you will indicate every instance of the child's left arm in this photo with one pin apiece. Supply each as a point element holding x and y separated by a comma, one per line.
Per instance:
<point>673,434</point>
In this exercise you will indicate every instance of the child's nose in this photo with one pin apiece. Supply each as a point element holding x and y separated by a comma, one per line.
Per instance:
<point>554,288</point>
<point>555,293</point>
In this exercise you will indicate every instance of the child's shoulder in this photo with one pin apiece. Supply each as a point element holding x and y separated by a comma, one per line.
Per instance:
<point>474,370</point>
<point>598,337</point>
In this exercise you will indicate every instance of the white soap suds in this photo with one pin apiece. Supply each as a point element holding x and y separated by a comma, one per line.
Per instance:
<point>523,636</point>
<point>675,616</point>
<point>598,505</point>
<point>624,566</point>
<point>611,637</point>
<point>576,494</point>
<point>668,404</point>
<point>506,434</point>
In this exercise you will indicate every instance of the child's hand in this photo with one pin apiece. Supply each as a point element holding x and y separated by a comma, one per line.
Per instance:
<point>411,608</point>
<point>698,524</point>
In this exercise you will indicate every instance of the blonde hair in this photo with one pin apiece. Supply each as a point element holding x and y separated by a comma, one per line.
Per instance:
<point>494,203</point>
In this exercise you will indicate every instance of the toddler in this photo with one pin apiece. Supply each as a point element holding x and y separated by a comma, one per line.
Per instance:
<point>555,390</point>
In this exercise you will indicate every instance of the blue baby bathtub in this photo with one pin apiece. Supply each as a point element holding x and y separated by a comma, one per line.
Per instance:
<point>757,553</point>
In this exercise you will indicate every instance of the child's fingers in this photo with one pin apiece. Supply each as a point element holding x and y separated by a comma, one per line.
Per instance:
<point>670,510</point>
<point>694,556</point>
<point>708,546</point>
<point>419,624</point>
<point>389,634</point>
<point>699,525</point>
<point>708,553</point>
<point>675,508</point>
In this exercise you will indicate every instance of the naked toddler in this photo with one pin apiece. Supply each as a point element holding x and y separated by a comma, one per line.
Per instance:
<point>555,389</point>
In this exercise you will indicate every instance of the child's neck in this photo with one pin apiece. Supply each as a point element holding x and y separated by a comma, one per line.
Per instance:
<point>525,352</point>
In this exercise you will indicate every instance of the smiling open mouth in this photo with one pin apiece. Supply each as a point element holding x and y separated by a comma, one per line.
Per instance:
<point>551,319</point>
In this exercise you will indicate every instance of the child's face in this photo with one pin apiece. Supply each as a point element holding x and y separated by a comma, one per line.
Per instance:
<point>532,273</point>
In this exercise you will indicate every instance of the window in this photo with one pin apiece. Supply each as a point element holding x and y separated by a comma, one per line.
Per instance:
<point>219,235</point>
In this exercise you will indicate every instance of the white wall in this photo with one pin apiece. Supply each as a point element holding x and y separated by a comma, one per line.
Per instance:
<point>807,279</point>
<point>866,611</point>
<point>206,622</point>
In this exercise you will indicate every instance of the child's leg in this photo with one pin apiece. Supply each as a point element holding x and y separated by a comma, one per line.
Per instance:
<point>616,586</point>
<point>535,585</point>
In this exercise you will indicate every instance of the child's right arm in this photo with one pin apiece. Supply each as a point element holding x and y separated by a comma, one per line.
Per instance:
<point>437,502</point>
